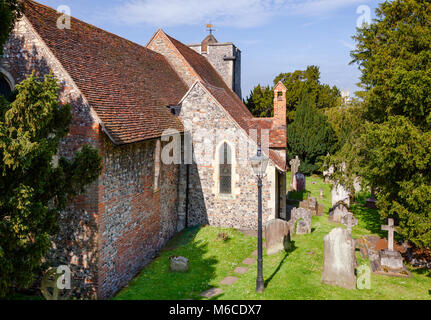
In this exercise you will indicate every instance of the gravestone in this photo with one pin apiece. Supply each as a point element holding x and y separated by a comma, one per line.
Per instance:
<point>371,201</point>
<point>300,214</point>
<point>277,236</point>
<point>339,259</point>
<point>321,193</point>
<point>313,206</point>
<point>320,210</point>
<point>349,221</point>
<point>303,227</point>
<point>179,264</point>
<point>339,193</point>
<point>390,258</point>
<point>294,167</point>
<point>299,182</point>
<point>337,212</point>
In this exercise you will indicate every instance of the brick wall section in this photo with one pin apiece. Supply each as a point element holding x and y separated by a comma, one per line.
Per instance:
<point>280,104</point>
<point>137,221</point>
<point>206,205</point>
<point>115,228</point>
<point>76,243</point>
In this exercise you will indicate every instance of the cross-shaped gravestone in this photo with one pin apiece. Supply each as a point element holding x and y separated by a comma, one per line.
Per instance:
<point>390,229</point>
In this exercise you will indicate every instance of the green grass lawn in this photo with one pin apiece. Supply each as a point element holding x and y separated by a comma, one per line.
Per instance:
<point>292,275</point>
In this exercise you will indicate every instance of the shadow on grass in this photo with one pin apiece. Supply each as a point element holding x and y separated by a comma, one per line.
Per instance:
<point>287,253</point>
<point>157,282</point>
<point>370,218</point>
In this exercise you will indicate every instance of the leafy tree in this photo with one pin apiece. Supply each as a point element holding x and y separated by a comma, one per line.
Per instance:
<point>307,81</point>
<point>33,189</point>
<point>396,157</point>
<point>310,135</point>
<point>346,120</point>
<point>392,149</point>
<point>260,101</point>
<point>394,56</point>
<point>10,11</point>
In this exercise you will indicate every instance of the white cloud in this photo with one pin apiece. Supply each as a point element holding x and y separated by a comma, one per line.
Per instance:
<point>233,13</point>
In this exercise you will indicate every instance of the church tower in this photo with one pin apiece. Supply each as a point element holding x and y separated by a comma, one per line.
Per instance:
<point>225,57</point>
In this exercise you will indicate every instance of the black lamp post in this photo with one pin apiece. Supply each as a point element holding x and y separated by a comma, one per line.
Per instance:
<point>259,164</point>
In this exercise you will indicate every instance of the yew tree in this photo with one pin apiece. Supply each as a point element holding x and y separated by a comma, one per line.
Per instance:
<point>391,150</point>
<point>34,187</point>
<point>310,135</point>
<point>10,11</point>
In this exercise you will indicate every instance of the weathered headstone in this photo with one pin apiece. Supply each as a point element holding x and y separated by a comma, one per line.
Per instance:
<point>321,193</point>
<point>320,210</point>
<point>303,227</point>
<point>339,193</point>
<point>298,215</point>
<point>294,167</point>
<point>339,260</point>
<point>276,236</point>
<point>337,212</point>
<point>313,206</point>
<point>179,264</point>
<point>391,259</point>
<point>299,182</point>
<point>349,221</point>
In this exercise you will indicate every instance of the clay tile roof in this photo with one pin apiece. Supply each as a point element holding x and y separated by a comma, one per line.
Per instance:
<point>128,85</point>
<point>229,100</point>
<point>277,134</point>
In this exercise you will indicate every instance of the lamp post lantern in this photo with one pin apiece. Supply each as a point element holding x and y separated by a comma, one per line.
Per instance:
<point>259,164</point>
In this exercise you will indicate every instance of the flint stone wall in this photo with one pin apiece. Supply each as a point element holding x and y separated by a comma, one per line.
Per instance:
<point>110,232</point>
<point>199,111</point>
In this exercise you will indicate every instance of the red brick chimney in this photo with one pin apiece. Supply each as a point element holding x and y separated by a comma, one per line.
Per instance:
<point>280,104</point>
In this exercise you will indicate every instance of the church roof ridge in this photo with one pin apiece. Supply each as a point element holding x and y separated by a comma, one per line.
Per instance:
<point>127,85</point>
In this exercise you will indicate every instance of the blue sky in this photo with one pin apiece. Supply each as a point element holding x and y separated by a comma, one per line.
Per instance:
<point>274,35</point>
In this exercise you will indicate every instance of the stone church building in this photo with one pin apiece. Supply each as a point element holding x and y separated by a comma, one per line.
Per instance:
<point>125,98</point>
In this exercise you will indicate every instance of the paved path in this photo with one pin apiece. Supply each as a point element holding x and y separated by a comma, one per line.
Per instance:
<point>229,280</point>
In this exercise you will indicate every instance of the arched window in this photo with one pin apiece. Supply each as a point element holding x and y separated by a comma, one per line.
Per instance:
<point>5,89</point>
<point>225,161</point>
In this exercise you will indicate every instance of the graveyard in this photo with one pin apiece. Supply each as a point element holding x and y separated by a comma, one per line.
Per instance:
<point>222,263</point>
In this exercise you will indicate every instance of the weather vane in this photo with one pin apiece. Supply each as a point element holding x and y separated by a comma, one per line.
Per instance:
<point>210,28</point>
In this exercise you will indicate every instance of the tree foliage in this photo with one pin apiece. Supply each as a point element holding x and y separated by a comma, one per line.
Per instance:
<point>33,189</point>
<point>310,135</point>
<point>10,11</point>
<point>394,55</point>
<point>391,151</point>
<point>346,120</point>
<point>260,101</point>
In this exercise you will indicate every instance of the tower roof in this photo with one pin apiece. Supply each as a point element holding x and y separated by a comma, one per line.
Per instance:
<point>209,39</point>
